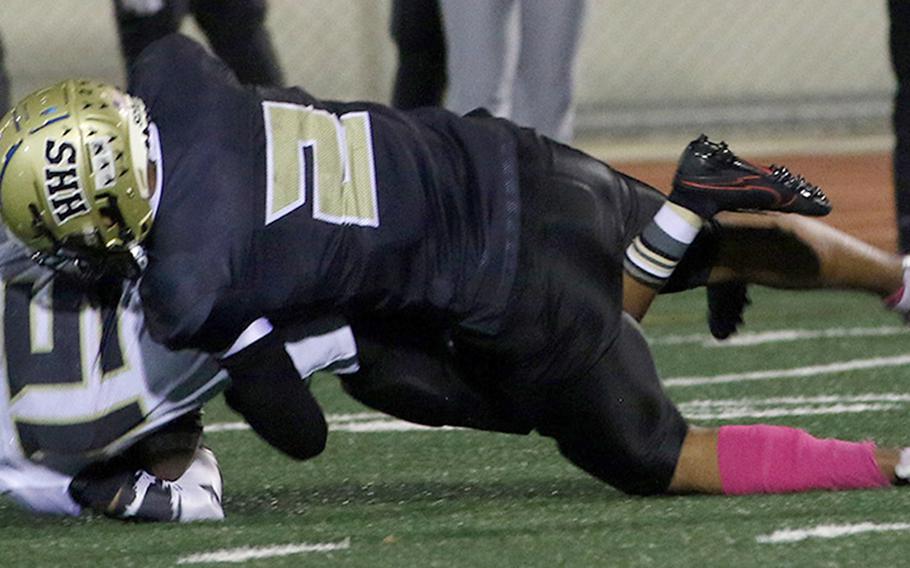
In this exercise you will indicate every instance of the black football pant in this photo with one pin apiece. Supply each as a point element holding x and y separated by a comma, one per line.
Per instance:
<point>409,369</point>
<point>566,363</point>
<point>235,29</point>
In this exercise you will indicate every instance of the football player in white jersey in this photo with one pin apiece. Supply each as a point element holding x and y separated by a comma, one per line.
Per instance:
<point>93,414</point>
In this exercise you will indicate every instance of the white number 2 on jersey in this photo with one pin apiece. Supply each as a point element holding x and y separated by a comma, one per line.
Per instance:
<point>312,151</point>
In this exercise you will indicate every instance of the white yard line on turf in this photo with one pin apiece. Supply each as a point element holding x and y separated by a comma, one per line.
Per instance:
<point>360,422</point>
<point>384,424</point>
<point>750,412</point>
<point>246,553</point>
<point>698,410</point>
<point>779,335</point>
<point>693,410</point>
<point>748,407</point>
<point>791,406</point>
<point>822,399</point>
<point>829,531</point>
<point>797,372</point>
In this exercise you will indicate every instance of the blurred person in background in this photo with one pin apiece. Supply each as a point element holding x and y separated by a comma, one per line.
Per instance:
<point>235,30</point>
<point>899,13</point>
<point>4,81</point>
<point>416,29</point>
<point>515,58</point>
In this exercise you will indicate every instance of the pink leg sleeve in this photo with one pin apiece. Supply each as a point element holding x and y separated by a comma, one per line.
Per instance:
<point>776,459</point>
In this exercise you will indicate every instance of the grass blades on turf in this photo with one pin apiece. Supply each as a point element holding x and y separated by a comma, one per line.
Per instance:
<point>459,498</point>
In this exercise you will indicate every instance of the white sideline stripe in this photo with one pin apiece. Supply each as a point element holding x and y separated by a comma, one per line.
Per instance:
<point>797,372</point>
<point>634,149</point>
<point>355,416</point>
<point>226,427</point>
<point>358,422</point>
<point>828,531</point>
<point>780,335</point>
<point>383,425</point>
<point>243,554</point>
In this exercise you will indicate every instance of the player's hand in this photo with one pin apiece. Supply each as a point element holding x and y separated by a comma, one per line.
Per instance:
<point>133,495</point>
<point>726,303</point>
<point>136,495</point>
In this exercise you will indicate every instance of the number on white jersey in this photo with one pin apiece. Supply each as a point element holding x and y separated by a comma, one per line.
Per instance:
<point>54,364</point>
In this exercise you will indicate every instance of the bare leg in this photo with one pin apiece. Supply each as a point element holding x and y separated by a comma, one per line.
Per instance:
<point>697,471</point>
<point>766,249</point>
<point>636,297</point>
<point>789,251</point>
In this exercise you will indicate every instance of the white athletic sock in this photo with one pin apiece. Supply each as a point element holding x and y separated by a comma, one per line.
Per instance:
<point>902,470</point>
<point>899,301</point>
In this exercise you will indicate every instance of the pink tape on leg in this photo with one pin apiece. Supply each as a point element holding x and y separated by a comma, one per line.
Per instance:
<point>775,459</point>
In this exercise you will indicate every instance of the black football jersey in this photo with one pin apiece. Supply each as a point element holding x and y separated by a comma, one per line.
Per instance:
<point>278,205</point>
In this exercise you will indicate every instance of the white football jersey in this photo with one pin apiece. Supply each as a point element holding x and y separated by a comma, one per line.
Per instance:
<point>79,383</point>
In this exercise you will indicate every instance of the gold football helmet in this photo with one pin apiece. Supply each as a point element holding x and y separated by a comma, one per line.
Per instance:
<point>74,177</point>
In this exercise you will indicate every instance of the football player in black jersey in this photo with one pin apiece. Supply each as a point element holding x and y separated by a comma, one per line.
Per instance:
<point>483,275</point>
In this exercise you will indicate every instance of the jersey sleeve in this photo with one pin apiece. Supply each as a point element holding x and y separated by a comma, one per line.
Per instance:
<point>325,344</point>
<point>177,61</point>
<point>37,489</point>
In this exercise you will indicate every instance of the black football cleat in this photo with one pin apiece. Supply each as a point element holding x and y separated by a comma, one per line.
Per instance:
<point>711,178</point>
<point>726,303</point>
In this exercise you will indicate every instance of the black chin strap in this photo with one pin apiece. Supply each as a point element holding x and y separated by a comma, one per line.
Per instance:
<point>94,267</point>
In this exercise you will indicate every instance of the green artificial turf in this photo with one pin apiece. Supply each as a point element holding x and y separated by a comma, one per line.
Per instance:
<point>462,498</point>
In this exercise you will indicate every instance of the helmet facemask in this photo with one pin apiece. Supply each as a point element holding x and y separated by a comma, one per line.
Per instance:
<point>74,185</point>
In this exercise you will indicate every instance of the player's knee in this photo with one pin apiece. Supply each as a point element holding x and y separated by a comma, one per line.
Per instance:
<point>636,477</point>
<point>633,469</point>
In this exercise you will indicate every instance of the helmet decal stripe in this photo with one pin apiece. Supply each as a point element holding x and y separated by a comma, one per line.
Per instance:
<point>6,159</point>
<point>104,171</point>
<point>49,122</point>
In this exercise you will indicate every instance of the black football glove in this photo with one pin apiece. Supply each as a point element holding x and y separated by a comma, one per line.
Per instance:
<point>116,490</point>
<point>125,494</point>
<point>726,303</point>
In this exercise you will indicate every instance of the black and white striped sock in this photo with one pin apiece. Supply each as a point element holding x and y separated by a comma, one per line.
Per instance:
<point>654,254</point>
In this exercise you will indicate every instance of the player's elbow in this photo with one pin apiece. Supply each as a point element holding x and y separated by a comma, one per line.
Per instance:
<point>310,443</point>
<point>289,420</point>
